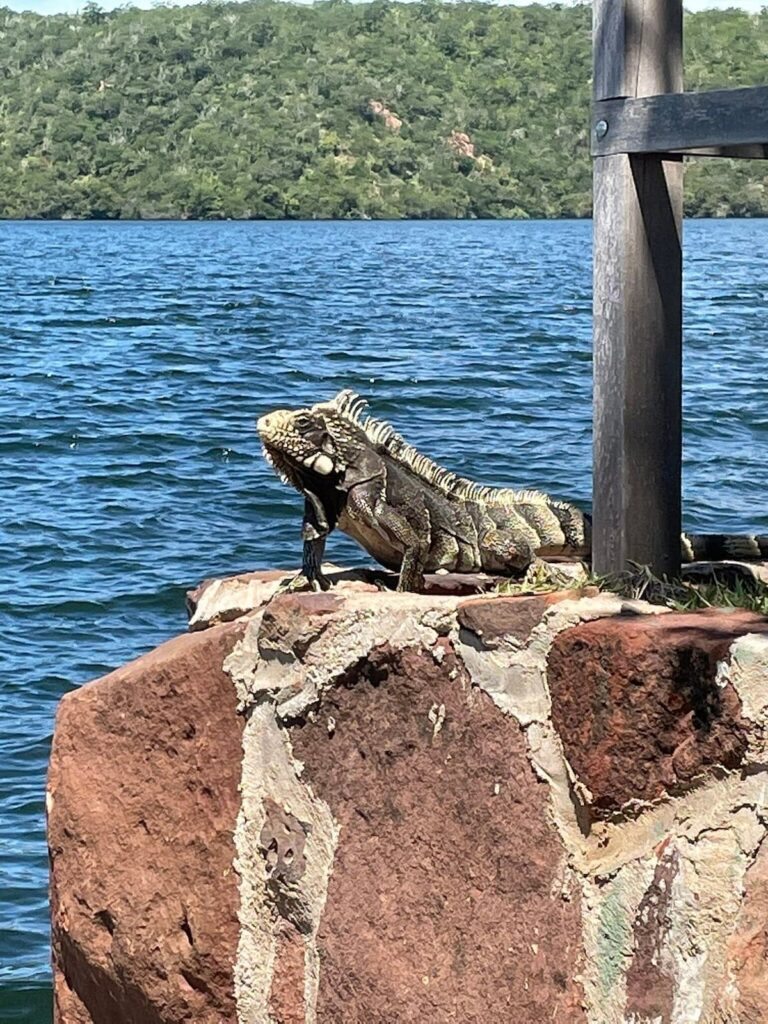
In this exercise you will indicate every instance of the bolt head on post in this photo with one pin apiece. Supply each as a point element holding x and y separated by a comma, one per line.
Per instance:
<point>601,129</point>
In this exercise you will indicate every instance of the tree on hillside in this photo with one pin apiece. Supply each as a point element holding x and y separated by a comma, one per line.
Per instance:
<point>379,109</point>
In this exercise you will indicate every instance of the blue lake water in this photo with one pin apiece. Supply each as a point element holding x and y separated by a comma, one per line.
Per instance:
<point>135,358</point>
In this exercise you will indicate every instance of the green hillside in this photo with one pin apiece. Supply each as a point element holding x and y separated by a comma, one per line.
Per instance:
<point>379,109</point>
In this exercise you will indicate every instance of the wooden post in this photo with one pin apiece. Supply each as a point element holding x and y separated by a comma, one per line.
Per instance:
<point>637,301</point>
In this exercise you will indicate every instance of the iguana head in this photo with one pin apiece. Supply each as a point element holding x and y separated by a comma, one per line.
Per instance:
<point>314,445</point>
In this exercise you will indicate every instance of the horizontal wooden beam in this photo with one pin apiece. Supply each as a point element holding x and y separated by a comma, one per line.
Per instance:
<point>682,122</point>
<point>754,152</point>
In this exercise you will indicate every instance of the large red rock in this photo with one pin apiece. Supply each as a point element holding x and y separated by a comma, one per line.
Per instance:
<point>638,707</point>
<point>142,803</point>
<point>361,807</point>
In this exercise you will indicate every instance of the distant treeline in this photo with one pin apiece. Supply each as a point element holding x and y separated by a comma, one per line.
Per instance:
<point>381,109</point>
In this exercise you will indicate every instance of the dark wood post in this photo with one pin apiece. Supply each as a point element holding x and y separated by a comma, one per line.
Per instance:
<point>637,301</point>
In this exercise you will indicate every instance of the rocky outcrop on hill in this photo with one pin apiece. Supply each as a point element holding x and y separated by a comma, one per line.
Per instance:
<point>367,806</point>
<point>390,119</point>
<point>461,144</point>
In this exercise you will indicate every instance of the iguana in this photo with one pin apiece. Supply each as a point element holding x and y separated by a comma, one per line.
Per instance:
<point>358,474</point>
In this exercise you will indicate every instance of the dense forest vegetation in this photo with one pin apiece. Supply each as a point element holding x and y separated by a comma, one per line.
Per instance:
<point>380,109</point>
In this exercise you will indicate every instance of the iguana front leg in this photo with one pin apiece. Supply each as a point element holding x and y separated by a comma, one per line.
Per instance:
<point>367,503</point>
<point>314,531</point>
<point>311,562</point>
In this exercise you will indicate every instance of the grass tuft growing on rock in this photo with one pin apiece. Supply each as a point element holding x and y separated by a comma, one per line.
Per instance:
<point>545,578</point>
<point>727,586</point>
<point>702,586</point>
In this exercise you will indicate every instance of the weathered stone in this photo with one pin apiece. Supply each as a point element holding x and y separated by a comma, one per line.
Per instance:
<point>461,144</point>
<point>223,600</point>
<point>461,583</point>
<point>216,601</point>
<point>651,988</point>
<point>638,707</point>
<point>445,901</point>
<point>746,997</point>
<point>286,996</point>
<point>142,802</point>
<point>413,819</point>
<point>496,618</point>
<point>292,621</point>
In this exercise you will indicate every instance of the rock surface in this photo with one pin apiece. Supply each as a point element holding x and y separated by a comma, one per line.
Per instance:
<point>223,600</point>
<point>142,802</point>
<point>389,117</point>
<point>432,807</point>
<point>444,901</point>
<point>461,144</point>
<point>650,714</point>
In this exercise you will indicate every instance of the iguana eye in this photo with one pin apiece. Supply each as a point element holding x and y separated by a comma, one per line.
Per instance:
<point>303,422</point>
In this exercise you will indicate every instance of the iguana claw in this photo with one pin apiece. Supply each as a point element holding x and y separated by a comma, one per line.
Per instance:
<point>299,584</point>
<point>293,584</point>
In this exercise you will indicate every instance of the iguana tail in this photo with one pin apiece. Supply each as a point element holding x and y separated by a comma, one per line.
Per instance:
<point>740,547</point>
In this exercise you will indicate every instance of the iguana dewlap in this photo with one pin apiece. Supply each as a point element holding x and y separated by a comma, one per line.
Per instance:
<point>356,473</point>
